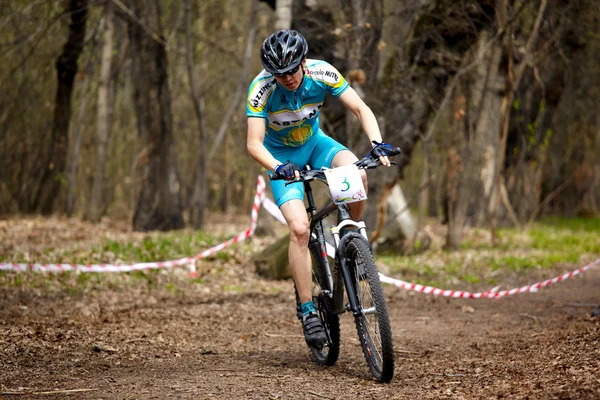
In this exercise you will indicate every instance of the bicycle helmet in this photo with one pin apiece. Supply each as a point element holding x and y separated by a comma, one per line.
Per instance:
<point>283,51</point>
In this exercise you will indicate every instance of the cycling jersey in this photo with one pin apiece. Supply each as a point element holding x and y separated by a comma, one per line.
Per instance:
<point>292,121</point>
<point>292,117</point>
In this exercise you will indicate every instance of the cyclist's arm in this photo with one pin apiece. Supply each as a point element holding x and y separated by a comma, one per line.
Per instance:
<point>358,107</point>
<point>255,146</point>
<point>367,119</point>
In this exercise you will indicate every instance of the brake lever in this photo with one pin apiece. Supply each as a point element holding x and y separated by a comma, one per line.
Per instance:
<point>293,181</point>
<point>374,163</point>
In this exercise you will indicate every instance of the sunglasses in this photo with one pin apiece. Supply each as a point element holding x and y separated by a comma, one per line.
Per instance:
<point>290,72</point>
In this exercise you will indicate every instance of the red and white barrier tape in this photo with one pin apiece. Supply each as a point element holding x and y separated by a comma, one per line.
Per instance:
<point>272,209</point>
<point>258,198</point>
<point>260,193</point>
<point>493,293</point>
<point>490,294</point>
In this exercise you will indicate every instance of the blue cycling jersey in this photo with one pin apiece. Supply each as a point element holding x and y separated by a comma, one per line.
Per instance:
<point>292,117</point>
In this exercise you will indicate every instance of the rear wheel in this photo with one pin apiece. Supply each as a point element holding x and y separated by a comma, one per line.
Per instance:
<point>372,322</point>
<point>326,355</point>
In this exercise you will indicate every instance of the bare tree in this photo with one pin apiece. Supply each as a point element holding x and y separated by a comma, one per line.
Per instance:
<point>198,201</point>
<point>159,203</point>
<point>78,135</point>
<point>363,22</point>
<point>476,102</point>
<point>283,12</point>
<point>55,157</point>
<point>79,126</point>
<point>103,116</point>
<point>199,189</point>
<point>514,76</point>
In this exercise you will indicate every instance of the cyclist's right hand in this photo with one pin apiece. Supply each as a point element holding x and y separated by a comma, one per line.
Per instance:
<point>383,151</point>
<point>287,170</point>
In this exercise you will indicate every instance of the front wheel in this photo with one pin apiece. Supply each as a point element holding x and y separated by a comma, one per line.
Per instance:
<point>372,320</point>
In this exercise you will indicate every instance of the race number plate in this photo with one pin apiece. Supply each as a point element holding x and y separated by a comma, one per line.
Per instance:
<point>345,184</point>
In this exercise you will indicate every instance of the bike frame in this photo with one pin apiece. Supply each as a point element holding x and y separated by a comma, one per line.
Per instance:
<point>336,280</point>
<point>350,239</point>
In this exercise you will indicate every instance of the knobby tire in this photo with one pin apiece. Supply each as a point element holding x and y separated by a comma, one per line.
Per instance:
<point>374,330</point>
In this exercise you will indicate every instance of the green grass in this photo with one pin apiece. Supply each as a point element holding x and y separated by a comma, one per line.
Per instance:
<point>572,224</point>
<point>549,243</point>
<point>161,247</point>
<point>157,247</point>
<point>233,288</point>
<point>154,247</point>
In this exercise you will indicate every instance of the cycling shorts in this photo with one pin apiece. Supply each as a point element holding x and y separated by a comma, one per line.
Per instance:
<point>318,152</point>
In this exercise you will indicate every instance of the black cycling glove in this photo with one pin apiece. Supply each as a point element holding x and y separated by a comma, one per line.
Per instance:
<point>381,149</point>
<point>286,170</point>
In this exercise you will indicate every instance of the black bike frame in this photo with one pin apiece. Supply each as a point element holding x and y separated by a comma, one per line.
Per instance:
<point>342,274</point>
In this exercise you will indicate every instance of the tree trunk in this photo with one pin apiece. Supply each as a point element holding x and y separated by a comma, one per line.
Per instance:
<point>158,205</point>
<point>198,201</point>
<point>592,193</point>
<point>227,175</point>
<point>487,123</point>
<point>272,262</point>
<point>283,14</point>
<point>423,202</point>
<point>513,80</point>
<point>459,171</point>
<point>242,83</point>
<point>364,22</point>
<point>475,103</point>
<point>400,212</point>
<point>78,134</point>
<point>528,172</point>
<point>66,69</point>
<point>102,118</point>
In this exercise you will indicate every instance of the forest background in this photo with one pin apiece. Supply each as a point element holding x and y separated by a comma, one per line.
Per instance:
<point>135,109</point>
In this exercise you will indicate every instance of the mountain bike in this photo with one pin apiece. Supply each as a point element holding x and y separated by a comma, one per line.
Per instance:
<point>355,270</point>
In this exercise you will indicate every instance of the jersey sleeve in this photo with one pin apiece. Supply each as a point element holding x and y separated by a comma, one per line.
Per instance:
<point>328,77</point>
<point>259,93</point>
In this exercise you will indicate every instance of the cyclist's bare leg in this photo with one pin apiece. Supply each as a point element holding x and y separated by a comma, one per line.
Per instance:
<point>298,254</point>
<point>346,157</point>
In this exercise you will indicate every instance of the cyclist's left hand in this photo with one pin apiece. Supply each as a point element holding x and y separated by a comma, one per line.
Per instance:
<point>287,170</point>
<point>382,151</point>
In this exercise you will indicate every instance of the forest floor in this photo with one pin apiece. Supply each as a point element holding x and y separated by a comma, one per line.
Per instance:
<point>230,334</point>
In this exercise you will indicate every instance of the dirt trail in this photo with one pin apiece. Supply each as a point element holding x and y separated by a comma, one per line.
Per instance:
<point>235,336</point>
<point>190,343</point>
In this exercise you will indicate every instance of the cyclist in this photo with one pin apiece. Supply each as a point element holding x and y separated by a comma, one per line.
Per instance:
<point>283,105</point>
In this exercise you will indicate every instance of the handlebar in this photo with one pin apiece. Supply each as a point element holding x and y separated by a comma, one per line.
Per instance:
<point>368,162</point>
